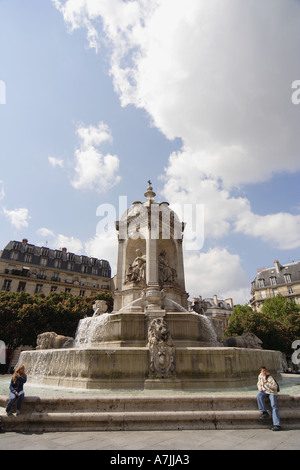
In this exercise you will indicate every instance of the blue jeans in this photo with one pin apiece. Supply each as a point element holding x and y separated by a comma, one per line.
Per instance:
<point>262,405</point>
<point>13,398</point>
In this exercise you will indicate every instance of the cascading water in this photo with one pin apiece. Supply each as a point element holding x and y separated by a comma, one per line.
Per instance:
<point>90,330</point>
<point>210,332</point>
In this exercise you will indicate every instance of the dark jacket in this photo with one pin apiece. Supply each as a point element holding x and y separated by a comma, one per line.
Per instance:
<point>18,385</point>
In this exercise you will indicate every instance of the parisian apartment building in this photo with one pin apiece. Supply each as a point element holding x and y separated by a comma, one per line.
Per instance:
<point>279,279</point>
<point>25,267</point>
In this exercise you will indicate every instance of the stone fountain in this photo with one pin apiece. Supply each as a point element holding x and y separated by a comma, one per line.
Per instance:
<point>150,340</point>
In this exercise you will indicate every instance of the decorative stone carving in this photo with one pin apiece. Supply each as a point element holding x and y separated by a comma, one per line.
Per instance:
<point>99,307</point>
<point>166,273</point>
<point>247,340</point>
<point>199,306</point>
<point>137,270</point>
<point>161,350</point>
<point>51,340</point>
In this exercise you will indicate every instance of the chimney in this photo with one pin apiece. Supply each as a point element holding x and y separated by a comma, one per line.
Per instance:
<point>230,302</point>
<point>64,250</point>
<point>277,266</point>
<point>216,300</point>
<point>25,241</point>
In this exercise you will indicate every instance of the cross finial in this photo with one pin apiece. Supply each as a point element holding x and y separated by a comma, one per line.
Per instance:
<point>149,193</point>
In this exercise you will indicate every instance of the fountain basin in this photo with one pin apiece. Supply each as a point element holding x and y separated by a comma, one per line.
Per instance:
<point>99,368</point>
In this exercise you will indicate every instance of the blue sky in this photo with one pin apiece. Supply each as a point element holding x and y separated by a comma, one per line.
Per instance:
<point>102,95</point>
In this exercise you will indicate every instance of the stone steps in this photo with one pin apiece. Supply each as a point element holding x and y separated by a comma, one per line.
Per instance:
<point>146,413</point>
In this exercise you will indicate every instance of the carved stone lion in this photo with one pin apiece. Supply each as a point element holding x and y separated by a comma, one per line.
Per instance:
<point>99,307</point>
<point>247,340</point>
<point>159,332</point>
<point>161,350</point>
<point>51,340</point>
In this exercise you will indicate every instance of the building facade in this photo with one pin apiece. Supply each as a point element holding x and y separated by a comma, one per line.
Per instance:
<point>29,268</point>
<point>218,308</point>
<point>280,279</point>
<point>214,308</point>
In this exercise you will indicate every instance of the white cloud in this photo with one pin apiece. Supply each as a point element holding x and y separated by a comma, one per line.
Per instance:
<point>17,217</point>
<point>216,272</point>
<point>45,232</point>
<point>93,169</point>
<point>216,75</point>
<point>104,245</point>
<point>281,229</point>
<point>59,241</point>
<point>55,162</point>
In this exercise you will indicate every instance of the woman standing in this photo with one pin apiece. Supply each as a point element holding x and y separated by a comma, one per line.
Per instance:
<point>16,390</point>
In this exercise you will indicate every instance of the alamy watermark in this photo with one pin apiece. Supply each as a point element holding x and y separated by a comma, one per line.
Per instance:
<point>162,221</point>
<point>2,92</point>
<point>2,352</point>
<point>296,353</point>
<point>296,94</point>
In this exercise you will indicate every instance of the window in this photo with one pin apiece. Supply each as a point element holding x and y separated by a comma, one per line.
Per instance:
<point>68,290</point>
<point>273,281</point>
<point>82,292</point>
<point>84,268</point>
<point>94,271</point>
<point>290,290</point>
<point>70,266</point>
<point>261,283</point>
<point>27,258</point>
<point>6,285</point>
<point>38,288</point>
<point>45,251</point>
<point>44,261</point>
<point>287,278</point>
<point>14,255</point>
<point>53,289</point>
<point>57,263</point>
<point>21,286</point>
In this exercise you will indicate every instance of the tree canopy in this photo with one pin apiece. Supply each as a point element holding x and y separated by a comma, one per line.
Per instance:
<point>277,325</point>
<point>23,316</point>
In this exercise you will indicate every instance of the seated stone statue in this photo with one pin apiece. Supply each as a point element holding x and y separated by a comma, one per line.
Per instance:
<point>166,273</point>
<point>137,270</point>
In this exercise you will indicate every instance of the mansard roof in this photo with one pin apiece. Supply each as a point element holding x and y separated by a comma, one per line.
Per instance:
<point>30,254</point>
<point>278,274</point>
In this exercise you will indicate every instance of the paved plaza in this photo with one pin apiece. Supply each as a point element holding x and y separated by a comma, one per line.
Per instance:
<point>242,439</point>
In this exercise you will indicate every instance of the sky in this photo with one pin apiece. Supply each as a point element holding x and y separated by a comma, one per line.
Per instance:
<point>201,97</point>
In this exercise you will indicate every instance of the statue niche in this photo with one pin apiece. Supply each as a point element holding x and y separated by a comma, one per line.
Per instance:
<point>137,270</point>
<point>166,273</point>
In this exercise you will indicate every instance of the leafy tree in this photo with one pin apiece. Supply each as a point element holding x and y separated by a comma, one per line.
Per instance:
<point>23,317</point>
<point>277,325</point>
